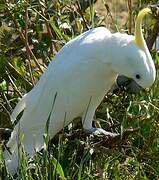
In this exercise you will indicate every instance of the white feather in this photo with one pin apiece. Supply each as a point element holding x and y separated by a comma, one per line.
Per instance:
<point>19,108</point>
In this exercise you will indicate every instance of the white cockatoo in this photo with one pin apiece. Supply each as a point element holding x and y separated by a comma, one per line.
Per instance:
<point>79,76</point>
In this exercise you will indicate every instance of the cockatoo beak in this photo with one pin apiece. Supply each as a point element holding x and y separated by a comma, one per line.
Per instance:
<point>128,84</point>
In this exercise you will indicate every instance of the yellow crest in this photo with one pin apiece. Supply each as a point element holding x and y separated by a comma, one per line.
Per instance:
<point>139,40</point>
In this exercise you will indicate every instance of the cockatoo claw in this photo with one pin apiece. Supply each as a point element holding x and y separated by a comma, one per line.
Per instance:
<point>100,131</point>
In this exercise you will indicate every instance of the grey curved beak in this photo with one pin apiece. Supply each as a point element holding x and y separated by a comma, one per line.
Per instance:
<point>126,84</point>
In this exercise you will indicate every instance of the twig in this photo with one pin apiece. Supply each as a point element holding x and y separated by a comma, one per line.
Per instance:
<point>81,13</point>
<point>8,111</point>
<point>49,32</point>
<point>6,101</point>
<point>26,39</point>
<point>16,74</point>
<point>110,14</point>
<point>155,107</point>
<point>13,84</point>
<point>153,35</point>
<point>130,16</point>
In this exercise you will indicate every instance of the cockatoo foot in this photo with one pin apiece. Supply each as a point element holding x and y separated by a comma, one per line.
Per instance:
<point>100,131</point>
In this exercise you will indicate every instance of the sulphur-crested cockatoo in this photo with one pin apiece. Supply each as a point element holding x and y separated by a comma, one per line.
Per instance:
<point>79,76</point>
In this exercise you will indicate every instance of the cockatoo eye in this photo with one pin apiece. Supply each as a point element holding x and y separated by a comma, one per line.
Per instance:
<point>138,76</point>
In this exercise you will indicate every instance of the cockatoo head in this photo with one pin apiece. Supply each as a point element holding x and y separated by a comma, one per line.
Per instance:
<point>135,61</point>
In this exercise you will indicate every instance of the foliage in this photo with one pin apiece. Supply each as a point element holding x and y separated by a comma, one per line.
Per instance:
<point>28,42</point>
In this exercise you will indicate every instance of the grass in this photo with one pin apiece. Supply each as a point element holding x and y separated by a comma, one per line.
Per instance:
<point>28,43</point>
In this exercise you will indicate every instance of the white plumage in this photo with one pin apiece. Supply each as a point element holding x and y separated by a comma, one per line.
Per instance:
<point>81,74</point>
